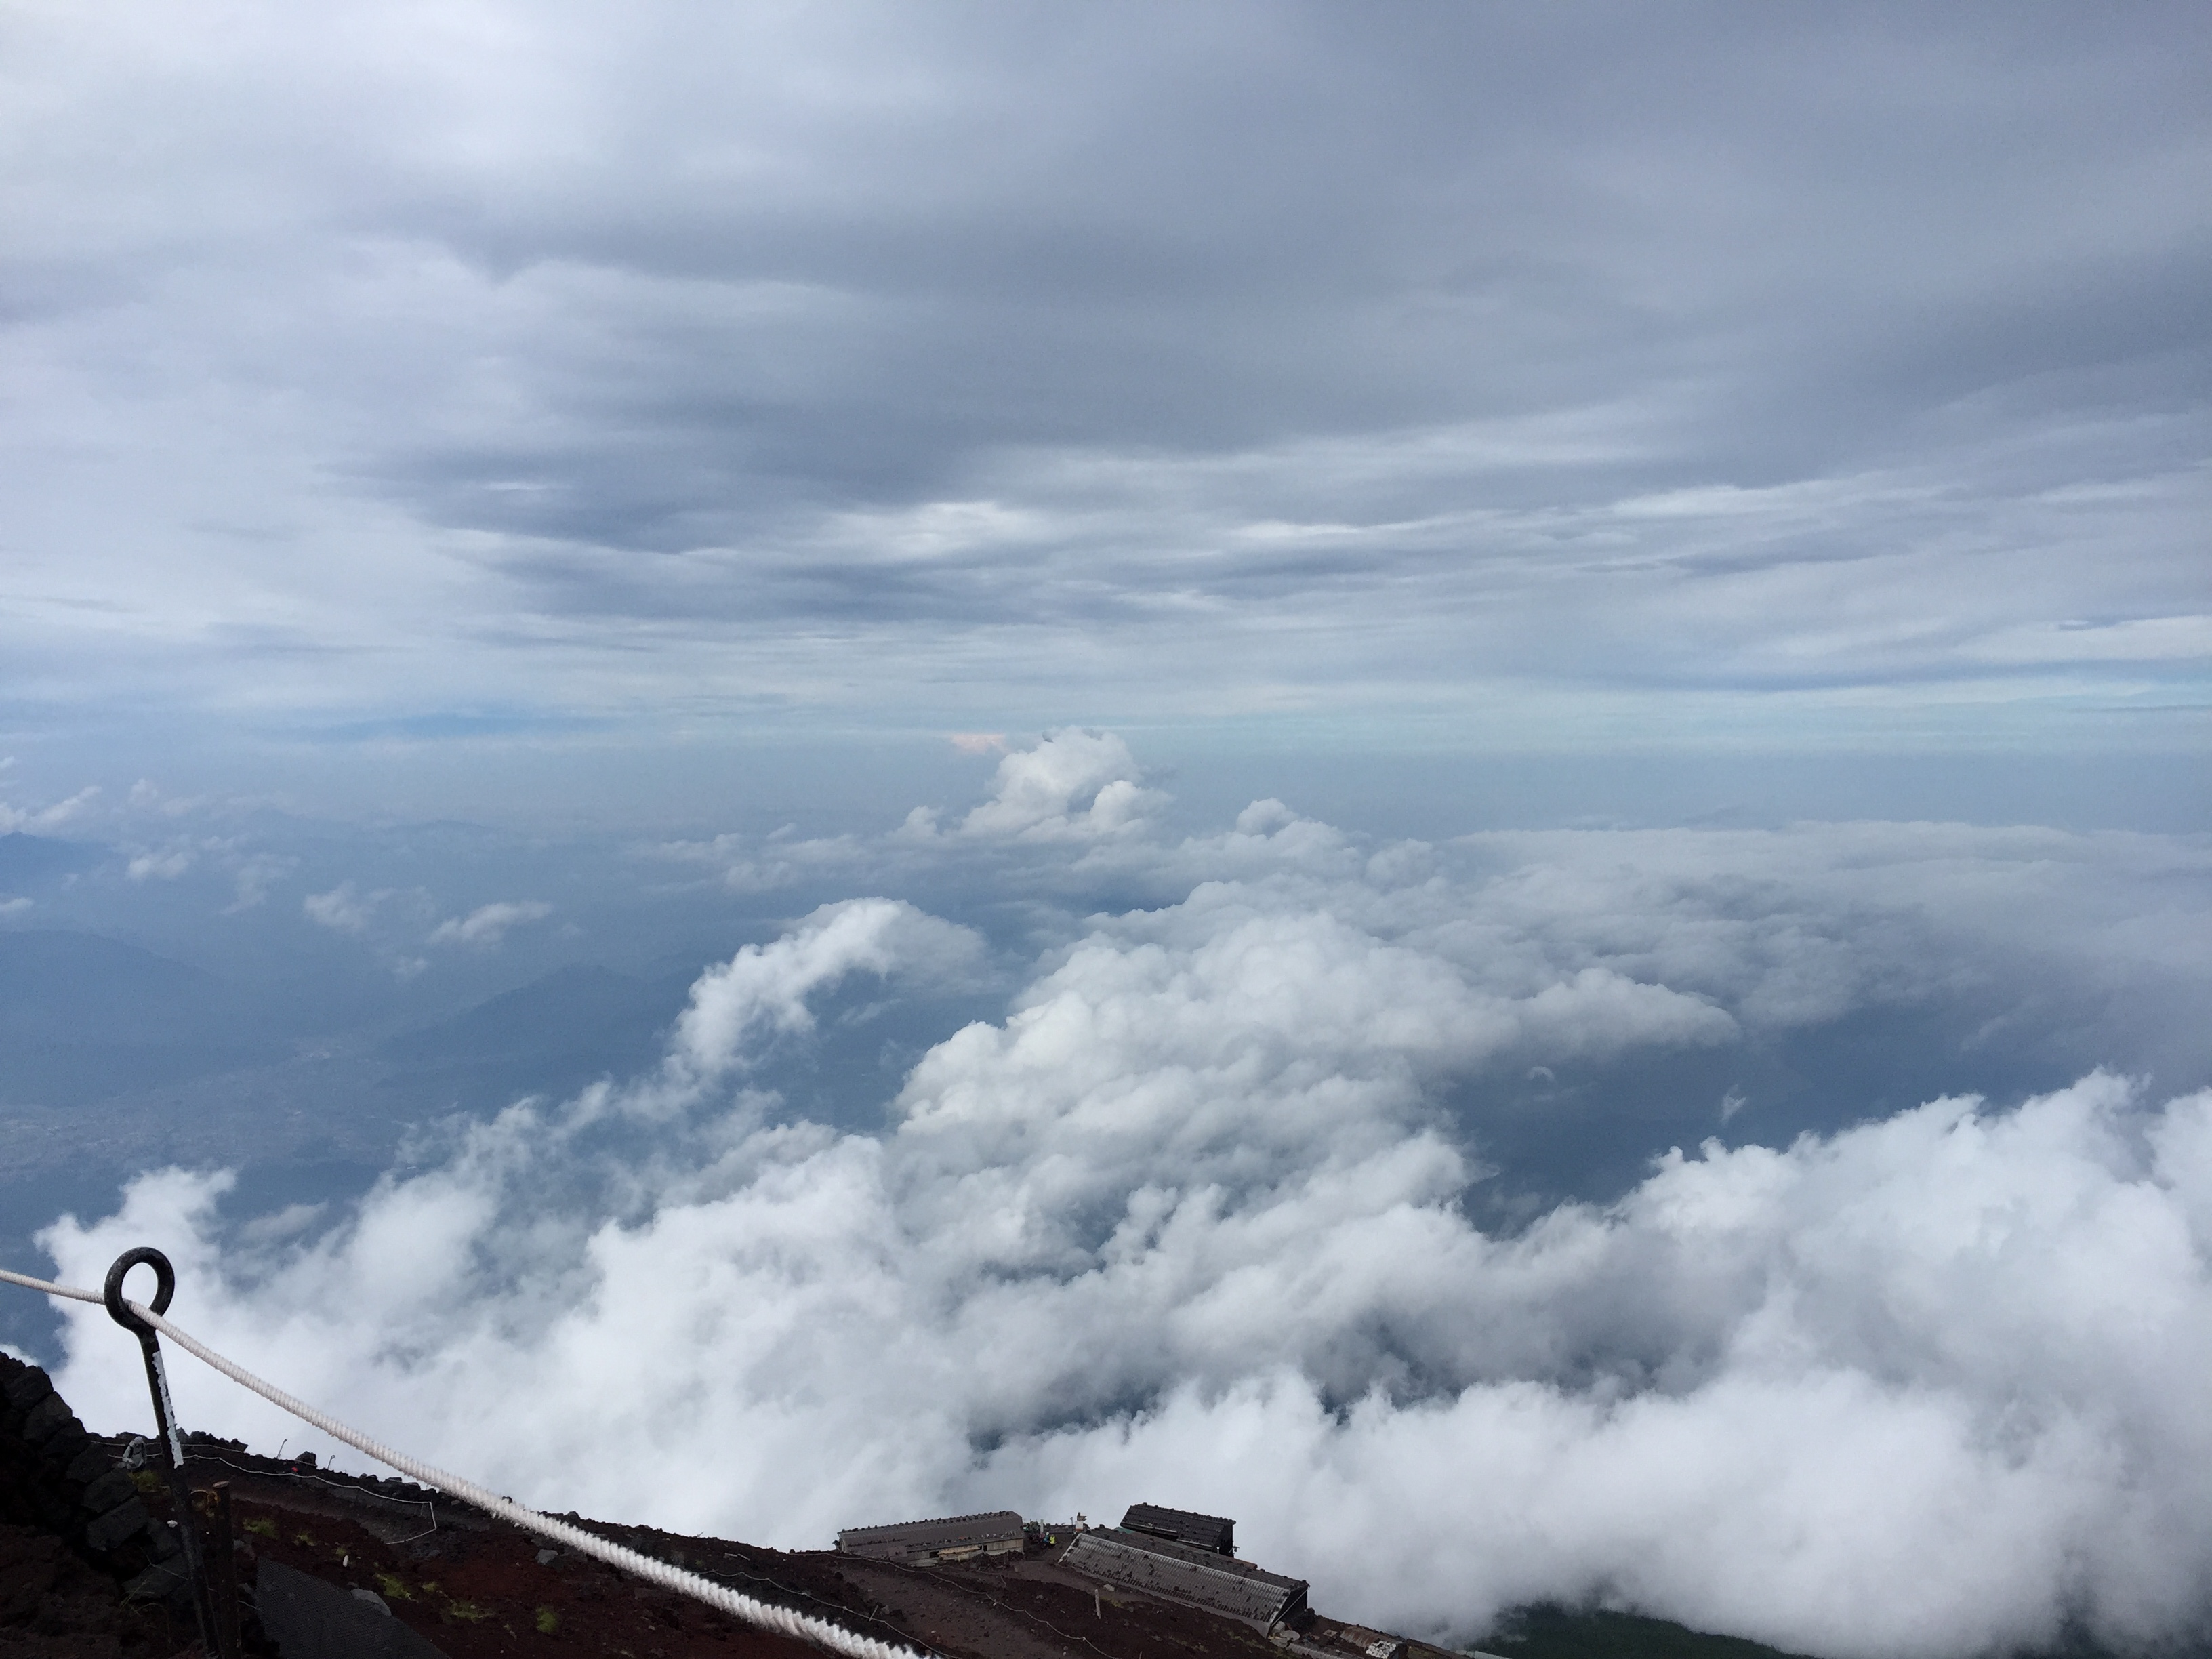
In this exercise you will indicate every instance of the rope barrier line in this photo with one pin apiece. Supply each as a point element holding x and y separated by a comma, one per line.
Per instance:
<point>785,1621</point>
<point>69,1291</point>
<point>199,1454</point>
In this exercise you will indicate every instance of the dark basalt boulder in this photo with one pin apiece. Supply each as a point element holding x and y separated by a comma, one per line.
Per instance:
<point>74,1531</point>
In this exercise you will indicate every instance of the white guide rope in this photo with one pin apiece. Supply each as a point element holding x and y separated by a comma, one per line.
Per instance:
<point>70,1291</point>
<point>782,1621</point>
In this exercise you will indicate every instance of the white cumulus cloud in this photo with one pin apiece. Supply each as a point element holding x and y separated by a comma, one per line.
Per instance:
<point>487,924</point>
<point>765,987</point>
<point>1071,786</point>
<point>1195,1221</point>
<point>343,908</point>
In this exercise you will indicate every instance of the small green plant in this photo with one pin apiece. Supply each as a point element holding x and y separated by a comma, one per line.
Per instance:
<point>149,1482</point>
<point>393,1588</point>
<point>450,1607</point>
<point>262,1528</point>
<point>547,1621</point>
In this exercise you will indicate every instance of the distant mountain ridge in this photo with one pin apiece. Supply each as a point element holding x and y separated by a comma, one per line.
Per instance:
<point>552,1037</point>
<point>28,861</point>
<point>83,1016</point>
<point>581,1008</point>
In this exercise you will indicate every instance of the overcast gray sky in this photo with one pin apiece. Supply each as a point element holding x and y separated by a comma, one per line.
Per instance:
<point>1446,377</point>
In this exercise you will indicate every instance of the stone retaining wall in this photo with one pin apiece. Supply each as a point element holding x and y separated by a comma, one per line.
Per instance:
<point>54,1476</point>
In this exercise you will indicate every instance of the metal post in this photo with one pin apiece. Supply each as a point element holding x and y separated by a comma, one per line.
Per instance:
<point>164,1420</point>
<point>222,1570</point>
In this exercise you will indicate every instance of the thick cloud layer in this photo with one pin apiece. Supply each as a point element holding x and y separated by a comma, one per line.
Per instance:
<point>1197,1221</point>
<point>1458,374</point>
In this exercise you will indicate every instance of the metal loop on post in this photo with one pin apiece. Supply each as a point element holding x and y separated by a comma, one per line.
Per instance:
<point>165,1286</point>
<point>763,1615</point>
<point>166,1426</point>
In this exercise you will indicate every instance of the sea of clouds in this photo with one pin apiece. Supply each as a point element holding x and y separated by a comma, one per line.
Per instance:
<point>1195,1222</point>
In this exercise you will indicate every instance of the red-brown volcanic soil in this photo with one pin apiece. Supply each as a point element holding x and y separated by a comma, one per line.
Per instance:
<point>475,1586</point>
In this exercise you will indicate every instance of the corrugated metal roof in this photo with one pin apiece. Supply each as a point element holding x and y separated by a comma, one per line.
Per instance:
<point>909,1538</point>
<point>1206,1532</point>
<point>1198,1577</point>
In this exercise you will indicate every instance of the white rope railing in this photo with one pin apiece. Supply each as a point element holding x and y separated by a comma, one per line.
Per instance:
<point>69,1291</point>
<point>784,1621</point>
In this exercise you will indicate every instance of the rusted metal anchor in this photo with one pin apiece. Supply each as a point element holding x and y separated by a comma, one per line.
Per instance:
<point>165,1423</point>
